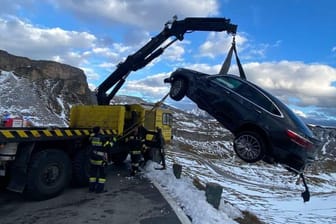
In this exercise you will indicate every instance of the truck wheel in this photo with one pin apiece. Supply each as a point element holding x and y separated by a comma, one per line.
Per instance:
<point>49,173</point>
<point>81,168</point>
<point>119,158</point>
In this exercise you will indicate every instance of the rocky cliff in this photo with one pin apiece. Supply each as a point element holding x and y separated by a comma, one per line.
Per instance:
<point>52,85</point>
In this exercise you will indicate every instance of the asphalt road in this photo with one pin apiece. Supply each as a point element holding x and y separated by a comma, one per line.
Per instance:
<point>129,200</point>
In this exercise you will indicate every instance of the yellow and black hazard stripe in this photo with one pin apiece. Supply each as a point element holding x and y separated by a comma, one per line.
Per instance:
<point>17,135</point>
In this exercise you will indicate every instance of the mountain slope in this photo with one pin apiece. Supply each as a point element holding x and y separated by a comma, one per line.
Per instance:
<point>42,91</point>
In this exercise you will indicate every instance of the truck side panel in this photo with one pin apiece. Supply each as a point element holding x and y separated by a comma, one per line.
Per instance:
<point>107,117</point>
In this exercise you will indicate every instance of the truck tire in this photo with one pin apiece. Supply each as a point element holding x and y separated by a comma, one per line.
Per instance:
<point>49,172</point>
<point>81,168</point>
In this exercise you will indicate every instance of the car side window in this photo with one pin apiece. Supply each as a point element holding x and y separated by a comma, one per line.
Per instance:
<point>258,98</point>
<point>248,92</point>
<point>228,82</point>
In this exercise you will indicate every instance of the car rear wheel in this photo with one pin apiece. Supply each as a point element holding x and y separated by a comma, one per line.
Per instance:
<point>249,146</point>
<point>178,89</point>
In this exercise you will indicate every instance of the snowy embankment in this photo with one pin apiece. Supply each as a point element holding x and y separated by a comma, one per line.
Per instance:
<point>190,199</point>
<point>19,97</point>
<point>269,192</point>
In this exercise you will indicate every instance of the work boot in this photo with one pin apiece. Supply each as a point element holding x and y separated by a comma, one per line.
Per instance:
<point>100,188</point>
<point>92,187</point>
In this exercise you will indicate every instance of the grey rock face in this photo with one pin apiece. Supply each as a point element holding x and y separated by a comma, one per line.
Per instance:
<point>48,86</point>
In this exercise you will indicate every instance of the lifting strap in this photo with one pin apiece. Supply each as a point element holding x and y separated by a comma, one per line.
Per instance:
<point>227,62</point>
<point>137,124</point>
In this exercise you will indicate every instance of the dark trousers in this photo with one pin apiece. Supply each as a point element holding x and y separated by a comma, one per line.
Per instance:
<point>163,157</point>
<point>135,161</point>
<point>97,178</point>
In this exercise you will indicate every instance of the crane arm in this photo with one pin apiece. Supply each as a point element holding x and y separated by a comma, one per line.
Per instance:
<point>151,50</point>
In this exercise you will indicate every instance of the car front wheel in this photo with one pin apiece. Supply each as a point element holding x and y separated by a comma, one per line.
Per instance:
<point>249,146</point>
<point>178,89</point>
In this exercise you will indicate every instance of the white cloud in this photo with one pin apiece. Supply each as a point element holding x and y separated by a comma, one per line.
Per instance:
<point>24,39</point>
<point>149,87</point>
<point>205,68</point>
<point>141,13</point>
<point>175,52</point>
<point>310,84</point>
<point>218,43</point>
<point>300,113</point>
<point>91,74</point>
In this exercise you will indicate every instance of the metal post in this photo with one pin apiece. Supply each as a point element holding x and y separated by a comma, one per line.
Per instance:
<point>177,169</point>
<point>213,194</point>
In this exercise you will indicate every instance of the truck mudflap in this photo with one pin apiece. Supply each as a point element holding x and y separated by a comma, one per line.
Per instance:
<point>18,177</point>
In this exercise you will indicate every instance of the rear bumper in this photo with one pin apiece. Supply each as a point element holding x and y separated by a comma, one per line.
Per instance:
<point>295,159</point>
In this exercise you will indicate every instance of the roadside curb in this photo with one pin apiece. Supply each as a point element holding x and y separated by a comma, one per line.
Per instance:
<point>177,209</point>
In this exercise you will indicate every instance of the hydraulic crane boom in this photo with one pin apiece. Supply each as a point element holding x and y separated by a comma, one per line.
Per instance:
<point>151,50</point>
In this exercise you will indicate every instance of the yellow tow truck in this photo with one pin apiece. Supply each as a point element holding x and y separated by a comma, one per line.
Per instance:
<point>41,161</point>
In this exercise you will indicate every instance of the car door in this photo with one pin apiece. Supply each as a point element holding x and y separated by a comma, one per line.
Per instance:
<point>227,107</point>
<point>250,100</point>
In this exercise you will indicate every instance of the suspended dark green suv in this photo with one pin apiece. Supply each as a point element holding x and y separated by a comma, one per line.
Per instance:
<point>264,127</point>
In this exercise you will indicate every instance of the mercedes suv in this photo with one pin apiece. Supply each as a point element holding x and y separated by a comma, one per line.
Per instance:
<point>264,128</point>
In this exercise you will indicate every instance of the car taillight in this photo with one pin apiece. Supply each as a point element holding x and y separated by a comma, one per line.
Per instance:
<point>298,139</point>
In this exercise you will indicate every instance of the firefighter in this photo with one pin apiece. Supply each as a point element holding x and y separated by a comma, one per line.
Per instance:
<point>159,144</point>
<point>98,161</point>
<point>136,143</point>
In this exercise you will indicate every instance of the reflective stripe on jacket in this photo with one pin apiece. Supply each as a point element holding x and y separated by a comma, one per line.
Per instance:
<point>135,152</point>
<point>97,150</point>
<point>99,153</point>
<point>97,162</point>
<point>96,141</point>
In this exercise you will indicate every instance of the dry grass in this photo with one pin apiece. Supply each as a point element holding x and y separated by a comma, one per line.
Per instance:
<point>323,166</point>
<point>198,184</point>
<point>249,218</point>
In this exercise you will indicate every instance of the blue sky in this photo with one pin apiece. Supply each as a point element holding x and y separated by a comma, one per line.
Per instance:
<point>287,47</point>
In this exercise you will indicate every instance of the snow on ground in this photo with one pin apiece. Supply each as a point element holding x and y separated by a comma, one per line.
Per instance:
<point>20,98</point>
<point>269,192</point>
<point>192,200</point>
